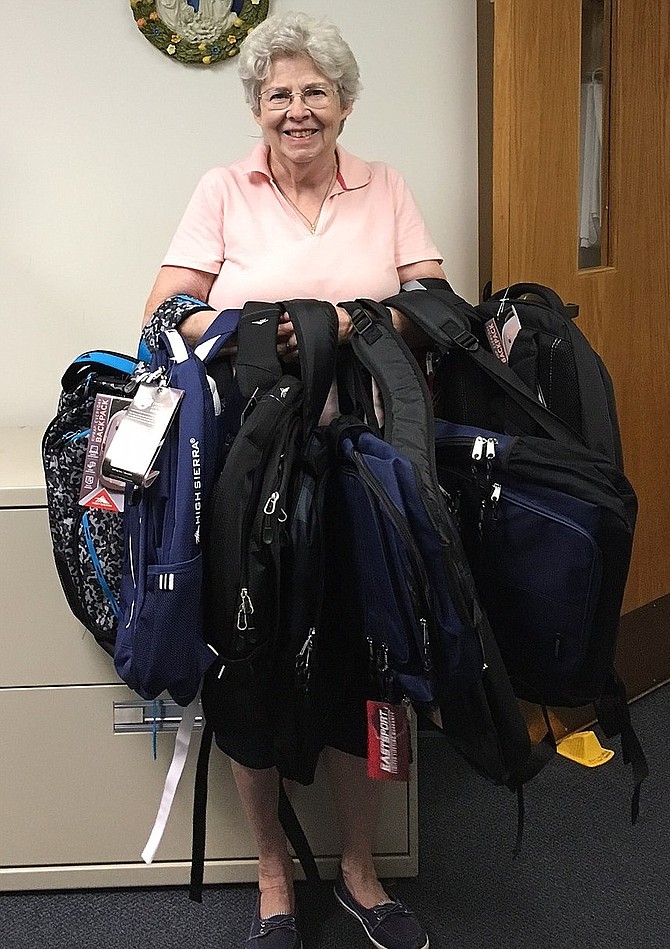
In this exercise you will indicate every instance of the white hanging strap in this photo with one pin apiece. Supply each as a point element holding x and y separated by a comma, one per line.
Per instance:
<point>181,746</point>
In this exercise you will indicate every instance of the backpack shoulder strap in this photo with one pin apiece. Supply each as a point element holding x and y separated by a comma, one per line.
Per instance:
<point>408,415</point>
<point>217,335</point>
<point>315,325</point>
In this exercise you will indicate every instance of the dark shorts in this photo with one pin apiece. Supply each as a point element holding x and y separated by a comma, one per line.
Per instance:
<point>248,728</point>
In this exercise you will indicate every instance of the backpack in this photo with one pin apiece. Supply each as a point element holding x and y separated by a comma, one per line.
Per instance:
<point>542,359</point>
<point>247,585</point>
<point>263,554</point>
<point>159,643</point>
<point>413,591</point>
<point>87,541</point>
<point>546,513</point>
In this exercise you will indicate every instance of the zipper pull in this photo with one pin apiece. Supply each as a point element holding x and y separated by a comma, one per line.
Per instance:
<point>303,659</point>
<point>478,448</point>
<point>430,372</point>
<point>269,509</point>
<point>427,663</point>
<point>490,457</point>
<point>245,611</point>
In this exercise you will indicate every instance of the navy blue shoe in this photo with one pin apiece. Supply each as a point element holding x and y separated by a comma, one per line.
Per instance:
<point>389,925</point>
<point>275,932</point>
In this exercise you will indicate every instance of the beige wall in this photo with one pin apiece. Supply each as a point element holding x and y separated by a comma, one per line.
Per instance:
<point>104,139</point>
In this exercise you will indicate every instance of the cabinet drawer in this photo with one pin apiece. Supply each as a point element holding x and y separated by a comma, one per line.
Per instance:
<point>78,801</point>
<point>40,640</point>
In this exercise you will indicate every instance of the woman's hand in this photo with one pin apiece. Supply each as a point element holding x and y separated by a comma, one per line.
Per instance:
<point>287,343</point>
<point>345,328</point>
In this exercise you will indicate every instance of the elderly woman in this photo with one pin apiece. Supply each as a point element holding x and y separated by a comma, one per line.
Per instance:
<point>302,218</point>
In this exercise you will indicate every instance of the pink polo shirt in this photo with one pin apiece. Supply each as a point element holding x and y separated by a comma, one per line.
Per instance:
<point>240,227</point>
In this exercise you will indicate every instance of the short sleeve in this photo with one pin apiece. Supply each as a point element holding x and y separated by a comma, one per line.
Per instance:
<point>412,238</point>
<point>198,241</point>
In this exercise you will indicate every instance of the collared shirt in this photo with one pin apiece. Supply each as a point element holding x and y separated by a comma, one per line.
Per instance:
<point>240,227</point>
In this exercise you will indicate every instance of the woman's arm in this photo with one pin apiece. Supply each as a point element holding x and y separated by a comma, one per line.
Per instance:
<point>423,268</point>
<point>196,283</point>
<point>412,335</point>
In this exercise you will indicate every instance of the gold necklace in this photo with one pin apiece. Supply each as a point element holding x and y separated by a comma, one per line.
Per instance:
<point>311,225</point>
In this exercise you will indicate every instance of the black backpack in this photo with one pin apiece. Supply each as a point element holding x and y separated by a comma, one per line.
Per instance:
<point>546,513</point>
<point>263,568</point>
<point>248,544</point>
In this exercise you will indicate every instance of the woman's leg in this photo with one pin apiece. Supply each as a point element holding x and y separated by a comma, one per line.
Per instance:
<point>357,802</point>
<point>259,794</point>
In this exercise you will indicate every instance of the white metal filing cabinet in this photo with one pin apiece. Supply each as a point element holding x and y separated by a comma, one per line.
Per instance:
<point>78,794</point>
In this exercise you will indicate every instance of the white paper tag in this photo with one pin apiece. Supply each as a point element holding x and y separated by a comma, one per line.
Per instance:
<point>131,454</point>
<point>510,329</point>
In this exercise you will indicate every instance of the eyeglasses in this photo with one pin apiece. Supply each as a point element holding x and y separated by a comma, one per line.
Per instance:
<point>314,97</point>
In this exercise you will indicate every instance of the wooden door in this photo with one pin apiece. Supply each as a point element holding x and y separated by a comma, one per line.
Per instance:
<point>625,301</point>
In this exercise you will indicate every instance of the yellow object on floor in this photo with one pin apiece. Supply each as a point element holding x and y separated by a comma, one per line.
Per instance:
<point>584,748</point>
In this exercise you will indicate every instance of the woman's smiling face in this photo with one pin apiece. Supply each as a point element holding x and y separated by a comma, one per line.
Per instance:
<point>298,134</point>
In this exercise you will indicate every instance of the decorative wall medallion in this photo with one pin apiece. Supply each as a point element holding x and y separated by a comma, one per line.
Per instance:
<point>198,31</point>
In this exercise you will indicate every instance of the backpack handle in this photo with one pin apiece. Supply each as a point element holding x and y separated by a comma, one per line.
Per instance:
<point>101,362</point>
<point>257,365</point>
<point>542,294</point>
<point>217,334</point>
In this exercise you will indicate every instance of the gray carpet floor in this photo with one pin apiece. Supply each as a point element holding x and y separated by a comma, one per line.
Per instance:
<point>586,879</point>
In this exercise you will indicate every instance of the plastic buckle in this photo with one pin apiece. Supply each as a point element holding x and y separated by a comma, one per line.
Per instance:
<point>364,324</point>
<point>464,340</point>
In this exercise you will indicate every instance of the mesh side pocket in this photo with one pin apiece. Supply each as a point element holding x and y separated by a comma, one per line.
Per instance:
<point>161,647</point>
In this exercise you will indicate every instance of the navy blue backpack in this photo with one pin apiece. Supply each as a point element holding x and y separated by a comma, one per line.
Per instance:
<point>405,578</point>
<point>160,644</point>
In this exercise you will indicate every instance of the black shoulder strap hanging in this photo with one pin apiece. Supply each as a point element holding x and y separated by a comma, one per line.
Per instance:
<point>200,816</point>
<point>287,817</point>
<point>408,414</point>
<point>614,719</point>
<point>315,325</point>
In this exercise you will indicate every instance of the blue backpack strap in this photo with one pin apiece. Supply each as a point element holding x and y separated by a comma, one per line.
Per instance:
<point>218,333</point>
<point>169,315</point>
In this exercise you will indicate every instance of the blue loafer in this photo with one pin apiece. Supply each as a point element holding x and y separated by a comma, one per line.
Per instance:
<point>274,932</point>
<point>389,925</point>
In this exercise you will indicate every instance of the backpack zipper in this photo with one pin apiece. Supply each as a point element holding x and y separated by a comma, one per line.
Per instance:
<point>410,545</point>
<point>303,660</point>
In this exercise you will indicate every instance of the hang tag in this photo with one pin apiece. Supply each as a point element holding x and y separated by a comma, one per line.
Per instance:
<point>389,745</point>
<point>495,340</point>
<point>131,454</point>
<point>510,329</point>
<point>96,490</point>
